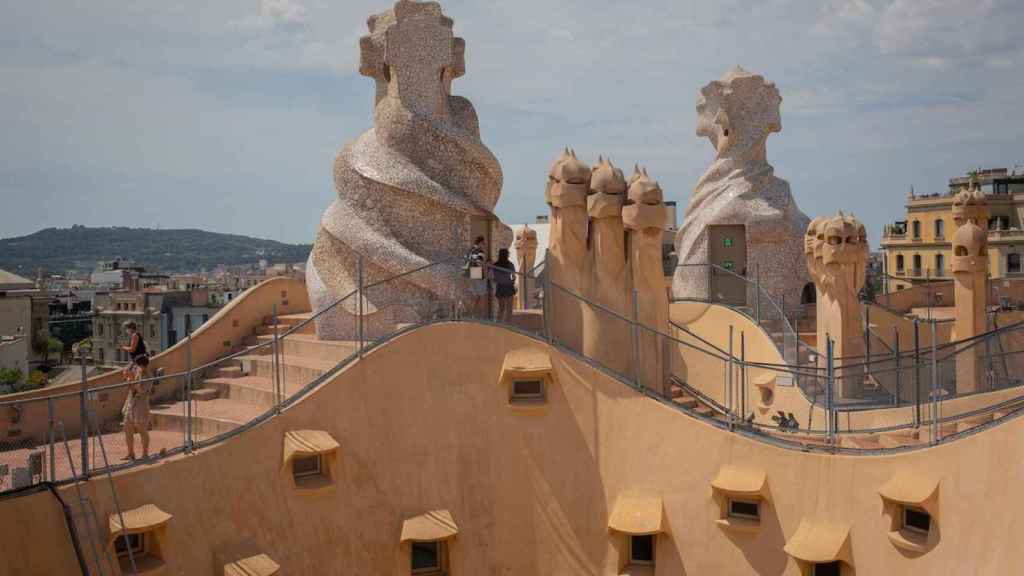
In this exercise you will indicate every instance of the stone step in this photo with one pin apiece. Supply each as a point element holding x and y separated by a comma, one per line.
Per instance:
<point>688,402</point>
<point>902,438</point>
<point>704,410</point>
<point>296,319</point>
<point>227,370</point>
<point>252,390</point>
<point>862,442</point>
<point>209,418</point>
<point>308,346</point>
<point>205,394</point>
<point>294,369</point>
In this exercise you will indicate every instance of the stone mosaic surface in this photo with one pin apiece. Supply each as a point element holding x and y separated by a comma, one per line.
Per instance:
<point>737,113</point>
<point>408,188</point>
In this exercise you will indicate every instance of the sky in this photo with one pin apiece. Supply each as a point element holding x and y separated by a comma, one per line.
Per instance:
<point>227,115</point>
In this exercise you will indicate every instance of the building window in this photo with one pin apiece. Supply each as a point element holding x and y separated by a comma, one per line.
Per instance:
<point>428,557</point>
<point>131,545</point>
<point>745,509</point>
<point>917,264</point>
<point>641,549</point>
<point>940,228</point>
<point>206,318</point>
<point>940,265</point>
<point>916,520</point>
<point>527,391</point>
<point>152,330</point>
<point>899,262</point>
<point>101,355</point>
<point>916,226</point>
<point>304,467</point>
<point>99,327</point>
<point>828,569</point>
<point>1013,263</point>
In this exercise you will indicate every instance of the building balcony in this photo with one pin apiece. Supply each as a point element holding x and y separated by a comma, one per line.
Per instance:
<point>1006,234</point>
<point>924,273</point>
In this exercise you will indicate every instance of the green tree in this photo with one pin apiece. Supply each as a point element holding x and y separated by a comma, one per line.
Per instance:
<point>47,346</point>
<point>10,380</point>
<point>36,379</point>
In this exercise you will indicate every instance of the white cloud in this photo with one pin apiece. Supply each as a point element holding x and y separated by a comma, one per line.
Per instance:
<point>930,29</point>
<point>274,14</point>
<point>896,88</point>
<point>848,23</point>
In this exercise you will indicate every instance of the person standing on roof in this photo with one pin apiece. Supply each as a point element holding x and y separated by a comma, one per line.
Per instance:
<point>475,263</point>
<point>136,347</point>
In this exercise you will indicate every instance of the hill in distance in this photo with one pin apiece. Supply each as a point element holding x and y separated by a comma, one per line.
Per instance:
<point>58,250</point>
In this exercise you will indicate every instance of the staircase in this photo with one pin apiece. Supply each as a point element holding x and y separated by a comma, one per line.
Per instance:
<point>236,391</point>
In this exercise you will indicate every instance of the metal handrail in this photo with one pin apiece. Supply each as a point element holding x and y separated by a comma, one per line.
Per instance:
<point>756,430</point>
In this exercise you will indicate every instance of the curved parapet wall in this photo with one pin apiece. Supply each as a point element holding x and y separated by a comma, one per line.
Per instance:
<point>534,491</point>
<point>224,333</point>
<point>408,189</point>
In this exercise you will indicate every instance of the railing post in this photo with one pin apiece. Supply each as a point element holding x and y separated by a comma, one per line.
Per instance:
<point>757,293</point>
<point>50,438</point>
<point>830,374</point>
<point>917,374</point>
<point>867,339</point>
<point>276,365</point>
<point>707,291</point>
<point>743,376</point>
<point>896,341</point>
<point>83,419</point>
<point>728,380</point>
<point>548,296</point>
<point>989,372</point>
<point>188,392</point>
<point>359,306</point>
<point>636,338</point>
<point>935,390</point>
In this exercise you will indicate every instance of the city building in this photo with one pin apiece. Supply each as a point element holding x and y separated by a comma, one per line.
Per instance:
<point>152,311</point>
<point>14,352</point>
<point>24,316</point>
<point>918,248</point>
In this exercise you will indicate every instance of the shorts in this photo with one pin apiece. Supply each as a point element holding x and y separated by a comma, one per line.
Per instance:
<point>478,287</point>
<point>505,291</point>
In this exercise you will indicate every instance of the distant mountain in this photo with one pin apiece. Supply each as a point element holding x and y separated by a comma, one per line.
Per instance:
<point>57,250</point>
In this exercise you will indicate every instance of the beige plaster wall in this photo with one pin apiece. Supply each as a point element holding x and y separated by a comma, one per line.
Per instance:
<point>224,333</point>
<point>709,374</point>
<point>531,491</point>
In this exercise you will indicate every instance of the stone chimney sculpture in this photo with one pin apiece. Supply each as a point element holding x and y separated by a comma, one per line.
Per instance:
<point>842,242</point>
<point>644,220</point>
<point>526,256</point>
<point>605,336</point>
<point>737,114</point>
<point>970,279</point>
<point>568,182</point>
<point>408,189</point>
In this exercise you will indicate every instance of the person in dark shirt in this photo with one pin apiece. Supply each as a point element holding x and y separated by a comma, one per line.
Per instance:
<point>136,347</point>
<point>504,274</point>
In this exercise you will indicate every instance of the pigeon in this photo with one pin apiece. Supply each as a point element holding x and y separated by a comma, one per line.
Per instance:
<point>792,422</point>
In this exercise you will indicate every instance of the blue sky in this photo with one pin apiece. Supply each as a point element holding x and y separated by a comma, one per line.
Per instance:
<point>227,115</point>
